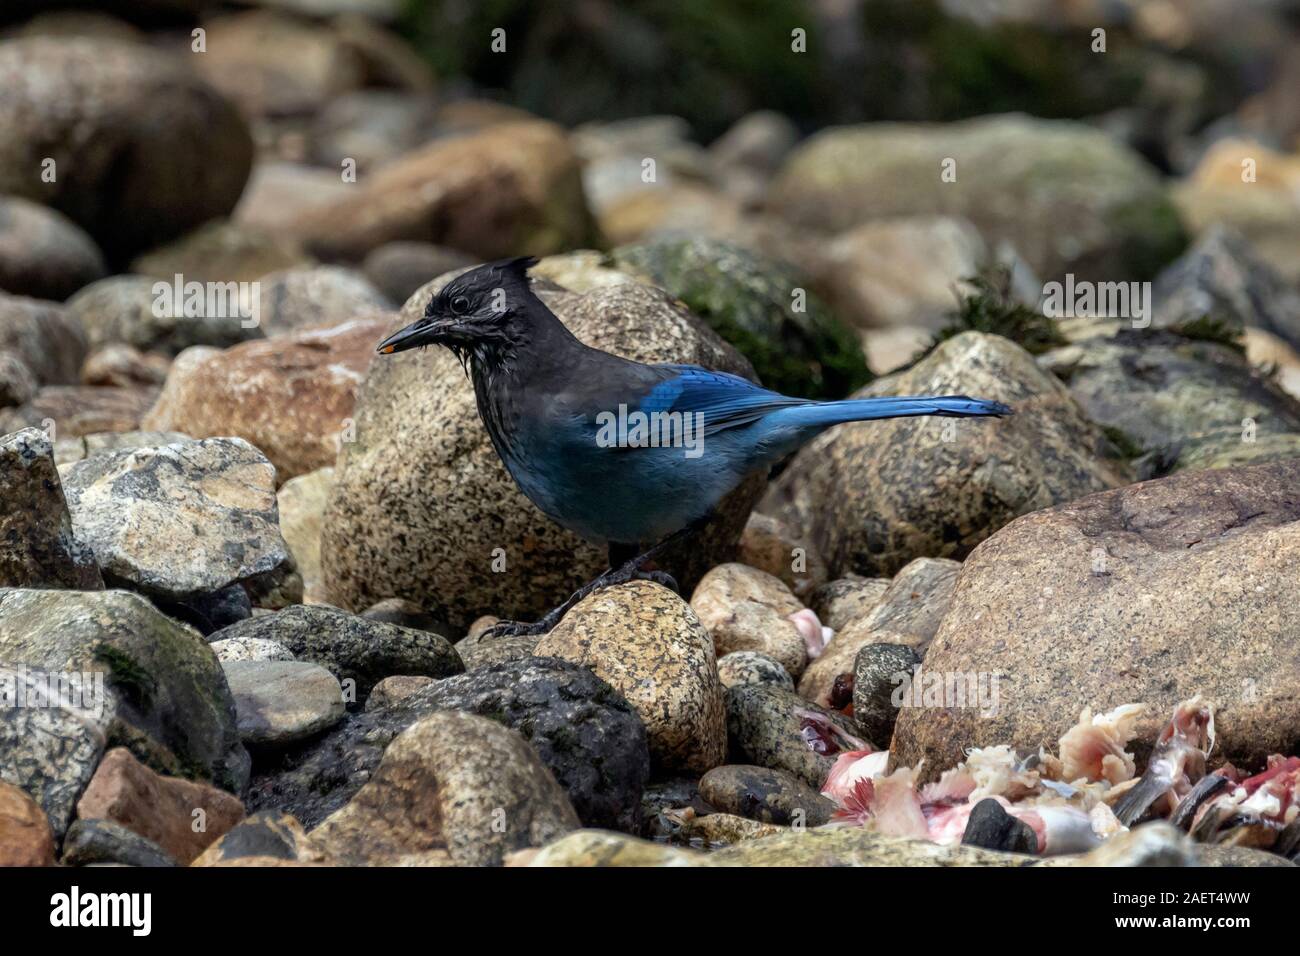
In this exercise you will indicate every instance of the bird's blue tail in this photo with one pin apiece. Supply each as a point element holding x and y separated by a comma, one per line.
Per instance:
<point>866,409</point>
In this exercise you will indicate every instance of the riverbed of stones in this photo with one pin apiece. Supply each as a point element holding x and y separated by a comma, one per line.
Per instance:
<point>276,561</point>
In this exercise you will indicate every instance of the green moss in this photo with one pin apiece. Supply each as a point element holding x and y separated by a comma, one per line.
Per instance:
<point>1124,444</point>
<point>127,677</point>
<point>1209,328</point>
<point>990,308</point>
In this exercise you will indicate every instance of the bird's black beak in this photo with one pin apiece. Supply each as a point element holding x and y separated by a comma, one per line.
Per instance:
<point>423,332</point>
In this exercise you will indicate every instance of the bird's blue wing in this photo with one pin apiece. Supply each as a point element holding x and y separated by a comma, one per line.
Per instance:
<point>725,400</point>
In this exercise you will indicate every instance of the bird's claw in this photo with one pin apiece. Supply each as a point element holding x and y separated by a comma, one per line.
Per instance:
<point>515,629</point>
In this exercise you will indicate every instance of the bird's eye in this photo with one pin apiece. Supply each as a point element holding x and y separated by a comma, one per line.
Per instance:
<point>460,304</point>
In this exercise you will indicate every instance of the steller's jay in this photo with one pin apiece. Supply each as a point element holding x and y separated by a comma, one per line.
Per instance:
<point>624,454</point>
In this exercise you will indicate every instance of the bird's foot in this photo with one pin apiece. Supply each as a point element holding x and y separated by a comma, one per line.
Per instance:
<point>517,629</point>
<point>621,575</point>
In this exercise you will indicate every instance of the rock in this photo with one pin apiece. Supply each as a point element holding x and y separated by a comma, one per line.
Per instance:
<point>768,545</point>
<point>282,702</point>
<point>164,695</point>
<point>18,385</point>
<point>448,502</point>
<point>143,149</point>
<point>1219,855</point>
<point>123,366</point>
<point>400,269</point>
<point>727,585</point>
<point>875,495</point>
<point>260,836</point>
<point>847,599</point>
<point>357,651</point>
<point>452,781</point>
<point>278,192</point>
<point>392,689</point>
<point>915,601</point>
<point>222,251</point>
<point>588,848</point>
<point>139,311</point>
<point>274,65</point>
<point>879,670</point>
<point>1185,571</point>
<point>369,128</point>
<point>1123,224</point>
<point>102,841</point>
<point>992,828</point>
<point>232,649</point>
<point>49,341</point>
<point>318,297</point>
<point>301,501</point>
<point>497,651</point>
<point>650,647</point>
<point>291,396</point>
<point>181,521</point>
<point>37,546</point>
<point>613,152</point>
<point>1152,844</point>
<point>71,410</point>
<point>853,846</point>
<point>1179,401</point>
<point>744,668</point>
<point>770,796</point>
<point>765,725</point>
<point>1221,277</point>
<point>490,193</point>
<point>69,450</point>
<point>404,613</point>
<point>25,838</point>
<point>580,727</point>
<point>908,271</point>
<point>796,345</point>
<point>180,816</point>
<point>749,153</point>
<point>44,254</point>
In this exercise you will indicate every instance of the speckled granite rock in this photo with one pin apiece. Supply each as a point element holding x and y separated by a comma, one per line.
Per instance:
<point>769,545</point>
<point>586,733</point>
<point>261,836</point>
<point>746,609</point>
<point>37,546</point>
<point>181,521</point>
<point>742,668</point>
<point>358,652</point>
<point>875,495</point>
<point>25,838</point>
<point>770,796</point>
<point>1071,607</point>
<point>765,727</point>
<point>852,846</point>
<point>317,297</point>
<point>879,670</point>
<point>602,848</point>
<point>301,502</point>
<point>392,689</point>
<point>248,649</point>
<point>165,695</point>
<point>498,650</point>
<point>280,702</point>
<point>649,645</point>
<point>74,410</point>
<point>452,781</point>
<point>839,602</point>
<point>432,536</point>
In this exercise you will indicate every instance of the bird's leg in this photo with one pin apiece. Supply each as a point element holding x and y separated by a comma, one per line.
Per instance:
<point>622,569</point>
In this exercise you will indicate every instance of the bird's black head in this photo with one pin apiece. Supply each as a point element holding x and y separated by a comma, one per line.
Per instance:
<point>473,313</point>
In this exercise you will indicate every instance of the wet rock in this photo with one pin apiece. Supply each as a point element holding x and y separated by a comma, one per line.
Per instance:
<point>448,502</point>
<point>123,366</point>
<point>164,696</point>
<point>357,651</point>
<point>181,159</point>
<point>770,796</point>
<point>291,396</point>
<point>720,829</point>
<point>48,341</point>
<point>754,303</point>
<point>180,816</point>
<point>650,647</point>
<point>844,600</point>
<point>73,410</point>
<point>317,297</point>
<point>222,251</point>
<point>875,495</point>
<point>1188,571</point>
<point>280,702</point>
<point>879,670</point>
<point>141,312</point>
<point>580,727</point>
<point>1179,401</point>
<point>44,254</point>
<point>261,836</point>
<point>25,838</point>
<point>766,726</point>
<point>103,841</point>
<point>301,501</point>
<point>743,668</point>
<point>1122,224</point>
<point>992,828</point>
<point>392,689</point>
<point>491,193</point>
<point>400,269</point>
<point>231,649</point>
<point>455,782</point>
<point>770,546</point>
<point>178,522</point>
<point>37,546</point>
